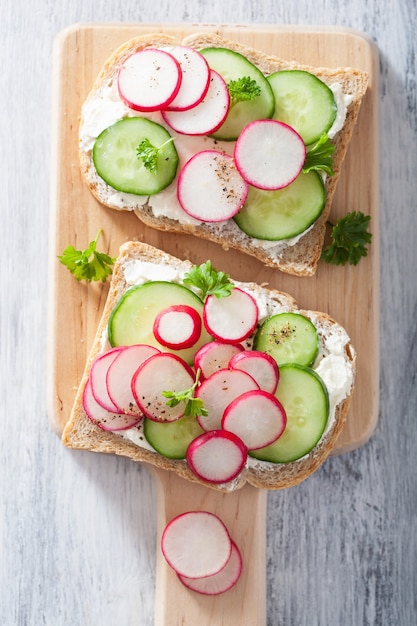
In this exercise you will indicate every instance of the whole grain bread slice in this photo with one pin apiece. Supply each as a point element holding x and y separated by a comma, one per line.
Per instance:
<point>300,258</point>
<point>81,433</point>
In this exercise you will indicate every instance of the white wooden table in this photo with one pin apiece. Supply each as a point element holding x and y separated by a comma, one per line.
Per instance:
<point>78,529</point>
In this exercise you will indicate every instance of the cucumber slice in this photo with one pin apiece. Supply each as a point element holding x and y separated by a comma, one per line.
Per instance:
<point>288,338</point>
<point>305,400</point>
<point>131,321</point>
<point>232,65</point>
<point>284,213</point>
<point>117,163</point>
<point>171,439</point>
<point>304,102</point>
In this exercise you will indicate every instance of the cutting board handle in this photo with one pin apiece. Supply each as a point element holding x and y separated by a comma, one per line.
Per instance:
<point>244,513</point>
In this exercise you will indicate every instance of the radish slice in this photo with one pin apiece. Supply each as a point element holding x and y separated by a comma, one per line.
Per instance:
<point>218,391</point>
<point>269,154</point>
<point>257,417</point>
<point>195,78</point>
<point>196,544</point>
<point>98,374</point>
<point>261,366</point>
<point>232,318</point>
<point>149,80</point>
<point>207,116</point>
<point>104,419</point>
<point>217,456</point>
<point>220,582</point>
<point>177,327</point>
<point>210,188</point>
<point>161,372</point>
<point>214,356</point>
<point>119,376</point>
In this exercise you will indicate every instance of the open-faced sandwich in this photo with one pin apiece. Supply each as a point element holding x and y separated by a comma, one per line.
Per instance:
<point>221,381</point>
<point>211,137</point>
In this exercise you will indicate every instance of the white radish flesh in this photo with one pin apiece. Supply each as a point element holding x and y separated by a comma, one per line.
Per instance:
<point>208,115</point>
<point>104,419</point>
<point>195,78</point>
<point>257,417</point>
<point>232,318</point>
<point>210,188</point>
<point>120,373</point>
<point>218,391</point>
<point>261,366</point>
<point>196,544</point>
<point>217,456</point>
<point>177,327</point>
<point>161,372</point>
<point>220,582</point>
<point>149,80</point>
<point>214,356</point>
<point>269,154</point>
<point>98,375</point>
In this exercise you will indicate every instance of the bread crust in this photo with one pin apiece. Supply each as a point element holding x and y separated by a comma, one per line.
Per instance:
<point>300,259</point>
<point>81,433</point>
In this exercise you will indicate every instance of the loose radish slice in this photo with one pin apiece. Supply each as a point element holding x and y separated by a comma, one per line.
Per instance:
<point>104,419</point>
<point>215,356</point>
<point>161,372</point>
<point>177,327</point>
<point>98,375</point>
<point>269,154</point>
<point>149,80</point>
<point>218,391</point>
<point>261,366</point>
<point>257,417</point>
<point>210,188</point>
<point>207,116</point>
<point>232,318</point>
<point>195,78</point>
<point>196,544</point>
<point>120,373</point>
<point>220,582</point>
<point>217,456</point>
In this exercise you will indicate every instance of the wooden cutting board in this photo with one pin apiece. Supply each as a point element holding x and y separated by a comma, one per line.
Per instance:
<point>349,294</point>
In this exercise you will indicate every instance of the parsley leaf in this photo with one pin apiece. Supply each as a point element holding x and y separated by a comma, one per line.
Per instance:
<point>243,90</point>
<point>208,281</point>
<point>320,156</point>
<point>349,238</point>
<point>83,267</point>
<point>193,406</point>
<point>149,154</point>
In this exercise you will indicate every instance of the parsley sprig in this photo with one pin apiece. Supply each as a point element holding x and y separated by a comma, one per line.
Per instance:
<point>349,238</point>
<point>208,281</point>
<point>243,90</point>
<point>149,154</point>
<point>88,264</point>
<point>193,406</point>
<point>320,156</point>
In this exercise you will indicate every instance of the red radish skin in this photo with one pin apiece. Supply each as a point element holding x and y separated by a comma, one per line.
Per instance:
<point>196,544</point>
<point>98,375</point>
<point>217,392</point>
<point>215,356</point>
<point>161,372</point>
<point>195,78</point>
<point>269,154</point>
<point>220,582</point>
<point>233,318</point>
<point>120,373</point>
<point>261,366</point>
<point>257,417</point>
<point>210,188</point>
<point>208,115</point>
<point>177,327</point>
<point>149,80</point>
<point>217,457</point>
<point>104,419</point>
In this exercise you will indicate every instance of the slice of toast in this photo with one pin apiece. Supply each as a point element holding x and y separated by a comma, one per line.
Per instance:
<point>81,433</point>
<point>298,256</point>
